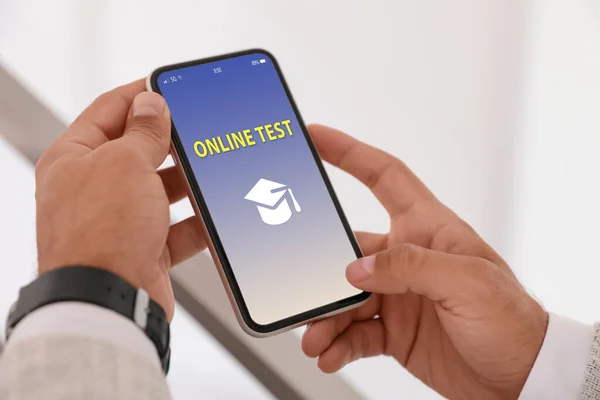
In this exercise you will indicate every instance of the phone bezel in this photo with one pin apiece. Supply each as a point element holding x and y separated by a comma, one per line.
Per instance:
<point>294,320</point>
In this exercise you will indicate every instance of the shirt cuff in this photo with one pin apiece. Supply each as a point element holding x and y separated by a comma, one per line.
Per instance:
<point>560,366</point>
<point>87,321</point>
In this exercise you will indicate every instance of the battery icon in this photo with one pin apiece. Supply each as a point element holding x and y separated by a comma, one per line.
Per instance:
<point>262,61</point>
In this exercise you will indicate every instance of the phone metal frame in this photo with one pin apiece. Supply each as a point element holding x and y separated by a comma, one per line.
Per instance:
<point>207,226</point>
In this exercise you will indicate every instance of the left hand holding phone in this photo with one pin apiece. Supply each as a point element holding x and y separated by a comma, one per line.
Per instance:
<point>101,201</point>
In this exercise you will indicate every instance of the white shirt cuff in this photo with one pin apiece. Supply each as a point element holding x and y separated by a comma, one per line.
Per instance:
<point>87,321</point>
<point>560,366</point>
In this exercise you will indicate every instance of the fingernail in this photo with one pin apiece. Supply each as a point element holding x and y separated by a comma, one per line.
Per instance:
<point>147,104</point>
<point>310,325</point>
<point>360,269</point>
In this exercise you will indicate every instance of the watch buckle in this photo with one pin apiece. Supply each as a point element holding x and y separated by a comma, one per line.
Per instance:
<point>141,308</point>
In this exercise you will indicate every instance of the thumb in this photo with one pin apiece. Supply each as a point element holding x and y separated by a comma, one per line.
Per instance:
<point>438,276</point>
<point>148,127</point>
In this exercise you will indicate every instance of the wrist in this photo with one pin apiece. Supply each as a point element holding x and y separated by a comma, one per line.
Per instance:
<point>127,272</point>
<point>158,291</point>
<point>99,287</point>
<point>534,332</point>
<point>559,370</point>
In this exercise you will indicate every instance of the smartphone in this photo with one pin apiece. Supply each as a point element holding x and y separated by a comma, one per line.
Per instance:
<point>275,228</point>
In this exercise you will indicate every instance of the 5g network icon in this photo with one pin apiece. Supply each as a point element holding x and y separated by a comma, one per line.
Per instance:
<point>271,199</point>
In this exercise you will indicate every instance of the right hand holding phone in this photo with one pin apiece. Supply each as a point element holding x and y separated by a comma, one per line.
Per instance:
<point>445,305</point>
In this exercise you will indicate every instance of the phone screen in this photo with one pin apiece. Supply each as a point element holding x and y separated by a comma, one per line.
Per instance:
<point>278,227</point>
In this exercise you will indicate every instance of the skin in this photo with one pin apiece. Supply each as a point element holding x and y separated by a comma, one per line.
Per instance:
<point>102,203</point>
<point>445,304</point>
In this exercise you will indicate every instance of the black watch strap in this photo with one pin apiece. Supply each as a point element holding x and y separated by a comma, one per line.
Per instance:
<point>100,287</point>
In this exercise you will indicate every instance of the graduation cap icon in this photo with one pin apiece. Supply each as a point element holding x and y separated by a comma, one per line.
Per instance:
<point>271,199</point>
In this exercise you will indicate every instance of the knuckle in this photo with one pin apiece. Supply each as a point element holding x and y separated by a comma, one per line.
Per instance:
<point>495,275</point>
<point>493,278</point>
<point>426,209</point>
<point>364,344</point>
<point>407,255</point>
<point>150,128</point>
<point>47,159</point>
<point>449,237</point>
<point>105,97</point>
<point>198,241</point>
<point>503,291</point>
<point>375,176</point>
<point>111,97</point>
<point>40,165</point>
<point>108,98</point>
<point>397,262</point>
<point>169,190</point>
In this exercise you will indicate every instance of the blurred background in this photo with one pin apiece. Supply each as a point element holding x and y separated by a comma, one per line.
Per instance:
<point>494,104</point>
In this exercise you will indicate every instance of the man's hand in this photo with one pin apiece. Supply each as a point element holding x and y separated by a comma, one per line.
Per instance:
<point>101,201</point>
<point>445,305</point>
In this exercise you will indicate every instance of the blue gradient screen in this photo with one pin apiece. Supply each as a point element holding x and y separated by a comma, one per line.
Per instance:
<point>283,238</point>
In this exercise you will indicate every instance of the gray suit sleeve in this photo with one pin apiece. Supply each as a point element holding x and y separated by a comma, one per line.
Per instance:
<point>591,384</point>
<point>74,368</point>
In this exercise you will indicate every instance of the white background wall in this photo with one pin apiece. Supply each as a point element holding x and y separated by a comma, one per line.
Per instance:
<point>557,191</point>
<point>492,103</point>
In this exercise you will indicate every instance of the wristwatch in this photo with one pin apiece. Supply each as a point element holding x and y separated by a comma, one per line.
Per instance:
<point>100,287</point>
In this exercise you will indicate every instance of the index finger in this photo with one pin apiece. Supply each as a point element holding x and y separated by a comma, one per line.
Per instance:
<point>104,119</point>
<point>101,121</point>
<point>392,182</point>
